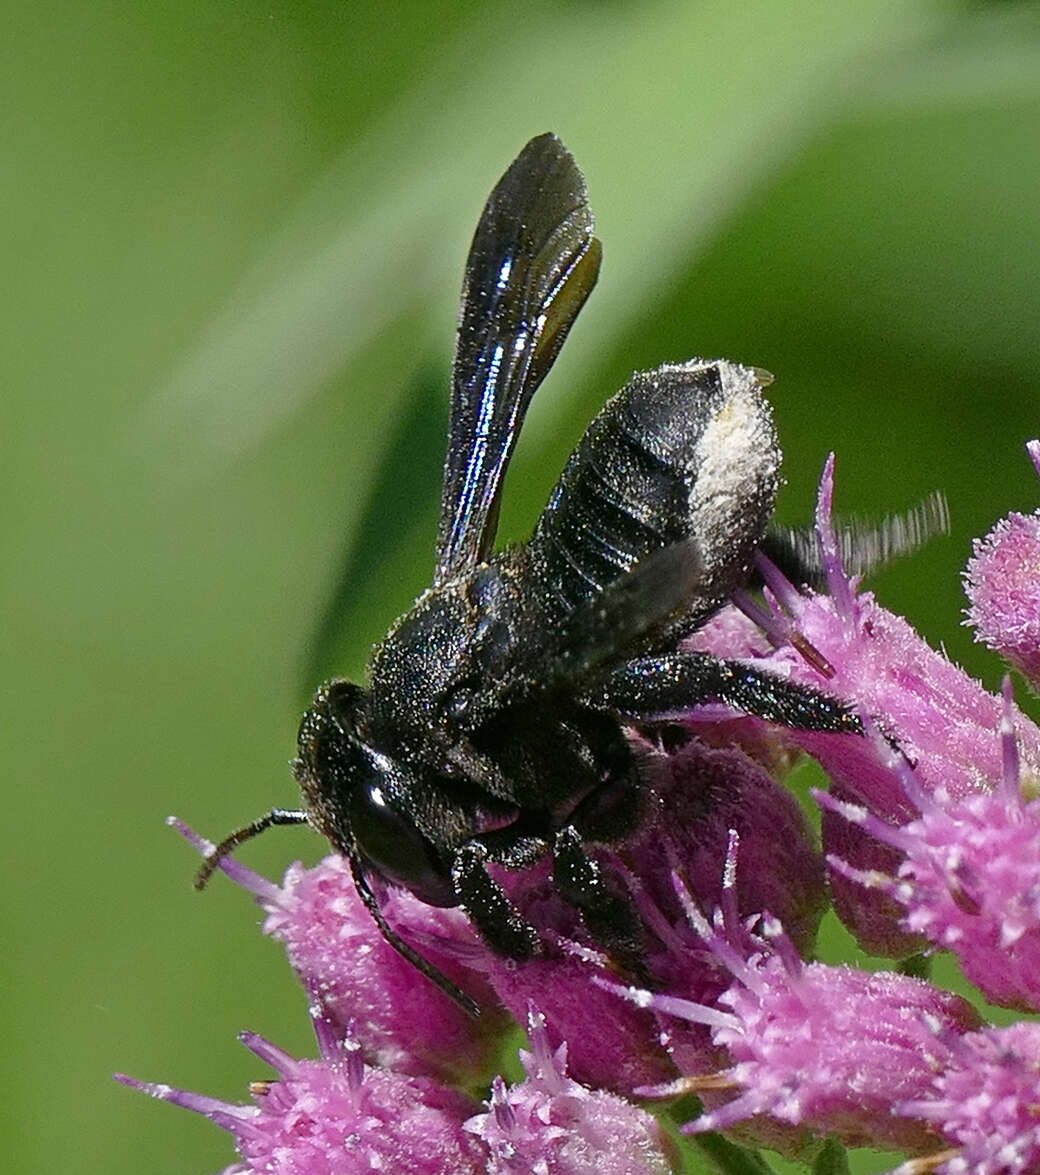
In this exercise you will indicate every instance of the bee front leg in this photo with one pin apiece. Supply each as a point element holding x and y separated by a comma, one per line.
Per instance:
<point>494,915</point>
<point>674,683</point>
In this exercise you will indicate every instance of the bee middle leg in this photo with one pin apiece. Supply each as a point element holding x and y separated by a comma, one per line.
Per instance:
<point>608,913</point>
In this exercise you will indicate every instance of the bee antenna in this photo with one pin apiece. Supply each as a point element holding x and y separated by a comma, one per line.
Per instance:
<point>403,949</point>
<point>277,816</point>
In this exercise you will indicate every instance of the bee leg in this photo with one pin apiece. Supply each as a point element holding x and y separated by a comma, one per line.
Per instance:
<point>494,915</point>
<point>674,683</point>
<point>609,915</point>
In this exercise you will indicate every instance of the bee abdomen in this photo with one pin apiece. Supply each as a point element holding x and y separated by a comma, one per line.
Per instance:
<point>686,452</point>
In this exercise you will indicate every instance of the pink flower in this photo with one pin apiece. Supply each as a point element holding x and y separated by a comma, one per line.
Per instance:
<point>941,719</point>
<point>813,1049</point>
<point>699,794</point>
<point>623,1049</point>
<point>1002,580</point>
<point>969,877</point>
<point>703,794</point>
<point>984,1103</point>
<point>551,1125</point>
<point>337,1116</point>
<point>405,1022</point>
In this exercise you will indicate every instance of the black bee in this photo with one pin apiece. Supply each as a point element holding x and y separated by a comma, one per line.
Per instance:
<point>493,728</point>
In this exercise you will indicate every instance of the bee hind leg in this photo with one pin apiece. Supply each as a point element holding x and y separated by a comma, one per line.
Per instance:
<point>672,684</point>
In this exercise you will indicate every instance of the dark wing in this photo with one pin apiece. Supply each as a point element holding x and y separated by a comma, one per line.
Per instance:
<point>532,264</point>
<point>621,616</point>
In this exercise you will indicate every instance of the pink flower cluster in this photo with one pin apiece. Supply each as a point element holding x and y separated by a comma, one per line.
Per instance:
<point>930,842</point>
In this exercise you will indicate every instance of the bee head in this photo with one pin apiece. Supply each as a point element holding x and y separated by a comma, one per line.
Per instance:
<point>368,803</point>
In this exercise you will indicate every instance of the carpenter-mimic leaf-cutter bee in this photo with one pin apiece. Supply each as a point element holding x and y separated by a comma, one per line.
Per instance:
<point>493,727</point>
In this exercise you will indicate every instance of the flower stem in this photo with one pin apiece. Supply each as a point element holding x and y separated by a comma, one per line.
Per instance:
<point>833,1159</point>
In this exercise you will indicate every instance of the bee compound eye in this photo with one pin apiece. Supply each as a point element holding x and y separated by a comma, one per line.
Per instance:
<point>395,848</point>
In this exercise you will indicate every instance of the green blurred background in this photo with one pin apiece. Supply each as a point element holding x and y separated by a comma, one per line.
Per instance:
<point>234,235</point>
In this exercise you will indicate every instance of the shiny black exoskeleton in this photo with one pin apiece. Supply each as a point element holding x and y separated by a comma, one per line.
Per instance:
<point>493,728</point>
